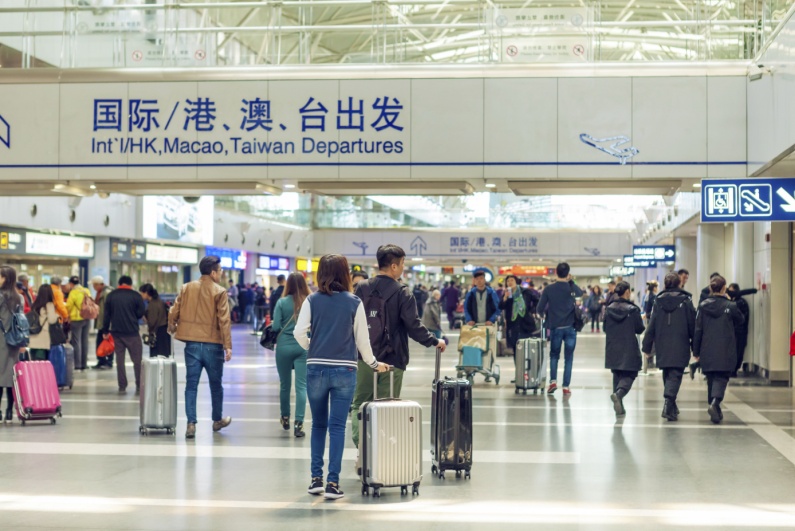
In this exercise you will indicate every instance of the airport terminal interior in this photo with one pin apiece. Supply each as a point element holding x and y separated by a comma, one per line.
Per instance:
<point>537,180</point>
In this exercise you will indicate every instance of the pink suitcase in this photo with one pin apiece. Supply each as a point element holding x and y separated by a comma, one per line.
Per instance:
<point>36,391</point>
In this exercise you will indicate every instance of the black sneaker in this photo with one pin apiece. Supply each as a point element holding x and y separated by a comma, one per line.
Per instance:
<point>618,405</point>
<point>316,487</point>
<point>285,423</point>
<point>333,492</point>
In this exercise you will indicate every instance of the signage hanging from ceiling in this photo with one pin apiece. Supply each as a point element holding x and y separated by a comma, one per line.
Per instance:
<point>747,200</point>
<point>654,253</point>
<point>274,263</point>
<point>20,241</point>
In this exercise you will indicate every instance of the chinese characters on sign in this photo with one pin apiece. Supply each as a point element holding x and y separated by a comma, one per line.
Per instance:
<point>493,245</point>
<point>149,117</point>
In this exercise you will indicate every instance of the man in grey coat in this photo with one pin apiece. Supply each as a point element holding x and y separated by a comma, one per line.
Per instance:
<point>101,293</point>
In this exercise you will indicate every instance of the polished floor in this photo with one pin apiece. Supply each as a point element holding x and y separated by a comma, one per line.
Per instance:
<point>539,460</point>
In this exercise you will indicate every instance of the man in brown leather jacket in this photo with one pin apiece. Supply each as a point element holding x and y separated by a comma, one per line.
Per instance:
<point>201,318</point>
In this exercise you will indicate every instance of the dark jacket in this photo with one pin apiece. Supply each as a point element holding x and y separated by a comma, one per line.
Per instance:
<point>622,324</point>
<point>557,303</point>
<point>527,324</point>
<point>703,296</point>
<point>671,329</point>
<point>648,306</point>
<point>610,296</point>
<point>450,297</point>
<point>492,305</point>
<point>402,319</point>
<point>742,305</point>
<point>123,308</point>
<point>715,342</point>
<point>421,297</point>
<point>275,296</point>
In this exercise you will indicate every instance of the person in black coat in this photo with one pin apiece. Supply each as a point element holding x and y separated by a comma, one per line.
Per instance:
<point>520,324</point>
<point>670,332</point>
<point>715,343</point>
<point>736,296</point>
<point>706,291</point>
<point>622,353</point>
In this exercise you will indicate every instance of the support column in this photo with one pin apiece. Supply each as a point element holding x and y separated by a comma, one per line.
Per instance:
<point>743,266</point>
<point>686,258</point>
<point>100,264</point>
<point>780,290</point>
<point>710,258</point>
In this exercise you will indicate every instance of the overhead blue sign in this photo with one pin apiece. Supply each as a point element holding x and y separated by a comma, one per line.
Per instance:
<point>230,258</point>
<point>631,261</point>
<point>750,199</point>
<point>655,253</point>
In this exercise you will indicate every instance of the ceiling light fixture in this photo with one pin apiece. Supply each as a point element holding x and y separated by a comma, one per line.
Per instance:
<point>697,185</point>
<point>491,185</point>
<point>289,186</point>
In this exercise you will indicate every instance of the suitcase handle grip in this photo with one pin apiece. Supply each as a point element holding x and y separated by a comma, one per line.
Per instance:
<point>391,372</point>
<point>438,364</point>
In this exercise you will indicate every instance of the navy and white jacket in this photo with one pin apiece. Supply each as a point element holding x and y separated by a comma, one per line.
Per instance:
<point>339,330</point>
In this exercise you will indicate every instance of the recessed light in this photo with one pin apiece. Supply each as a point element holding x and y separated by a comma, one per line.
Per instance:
<point>697,185</point>
<point>491,185</point>
<point>289,186</point>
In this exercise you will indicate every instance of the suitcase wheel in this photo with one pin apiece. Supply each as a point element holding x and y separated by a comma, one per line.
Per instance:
<point>143,431</point>
<point>516,391</point>
<point>404,490</point>
<point>70,387</point>
<point>535,391</point>
<point>468,475</point>
<point>169,431</point>
<point>458,473</point>
<point>376,492</point>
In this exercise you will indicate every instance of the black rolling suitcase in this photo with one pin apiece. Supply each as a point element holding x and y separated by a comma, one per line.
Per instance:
<point>451,424</point>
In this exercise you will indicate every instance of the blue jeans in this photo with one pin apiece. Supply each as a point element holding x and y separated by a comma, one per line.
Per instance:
<point>568,337</point>
<point>335,386</point>
<point>210,357</point>
<point>248,315</point>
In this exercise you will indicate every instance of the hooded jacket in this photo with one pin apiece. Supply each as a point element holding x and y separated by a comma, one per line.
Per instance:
<point>671,329</point>
<point>622,324</point>
<point>714,341</point>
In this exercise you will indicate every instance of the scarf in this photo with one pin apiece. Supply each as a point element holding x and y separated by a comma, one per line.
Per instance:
<point>519,306</point>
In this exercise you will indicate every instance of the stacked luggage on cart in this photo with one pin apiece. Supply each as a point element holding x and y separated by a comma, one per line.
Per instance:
<point>477,345</point>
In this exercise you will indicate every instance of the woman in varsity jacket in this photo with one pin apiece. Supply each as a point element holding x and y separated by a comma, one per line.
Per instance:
<point>338,326</point>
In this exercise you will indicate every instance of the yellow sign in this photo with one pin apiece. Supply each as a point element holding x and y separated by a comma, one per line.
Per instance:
<point>3,240</point>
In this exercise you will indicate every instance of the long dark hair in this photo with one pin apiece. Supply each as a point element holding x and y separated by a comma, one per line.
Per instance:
<point>9,288</point>
<point>44,296</point>
<point>332,274</point>
<point>149,290</point>
<point>297,287</point>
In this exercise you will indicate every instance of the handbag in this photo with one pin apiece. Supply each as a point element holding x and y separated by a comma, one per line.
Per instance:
<point>269,337</point>
<point>579,319</point>
<point>57,335</point>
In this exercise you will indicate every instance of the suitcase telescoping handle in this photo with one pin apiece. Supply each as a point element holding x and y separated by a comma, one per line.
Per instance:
<point>391,372</point>
<point>437,374</point>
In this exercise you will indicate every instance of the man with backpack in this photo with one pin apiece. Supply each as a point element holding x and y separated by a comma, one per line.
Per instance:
<point>82,309</point>
<point>391,318</point>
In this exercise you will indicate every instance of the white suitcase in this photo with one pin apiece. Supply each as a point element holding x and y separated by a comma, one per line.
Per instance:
<point>391,445</point>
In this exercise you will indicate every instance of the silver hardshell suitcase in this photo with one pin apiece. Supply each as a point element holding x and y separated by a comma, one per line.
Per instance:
<point>391,445</point>
<point>158,394</point>
<point>530,365</point>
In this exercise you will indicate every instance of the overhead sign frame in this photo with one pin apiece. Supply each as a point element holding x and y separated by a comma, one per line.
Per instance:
<point>747,200</point>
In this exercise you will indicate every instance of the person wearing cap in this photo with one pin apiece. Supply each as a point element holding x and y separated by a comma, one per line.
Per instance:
<point>101,294</point>
<point>58,297</point>
<point>74,302</point>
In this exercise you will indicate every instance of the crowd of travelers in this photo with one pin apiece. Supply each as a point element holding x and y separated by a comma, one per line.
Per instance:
<point>332,336</point>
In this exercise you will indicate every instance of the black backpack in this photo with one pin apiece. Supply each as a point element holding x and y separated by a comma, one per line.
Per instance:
<point>377,321</point>
<point>34,322</point>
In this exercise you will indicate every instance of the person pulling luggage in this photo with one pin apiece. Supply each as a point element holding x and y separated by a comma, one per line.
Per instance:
<point>670,333</point>
<point>392,318</point>
<point>519,305</point>
<point>715,343</point>
<point>331,366</point>
<point>201,318</point>
<point>9,355</point>
<point>622,353</point>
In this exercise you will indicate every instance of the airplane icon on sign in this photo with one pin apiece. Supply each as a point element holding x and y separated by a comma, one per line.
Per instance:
<point>612,146</point>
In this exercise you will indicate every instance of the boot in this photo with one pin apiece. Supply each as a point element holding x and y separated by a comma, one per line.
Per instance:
<point>715,414</point>
<point>669,410</point>
<point>298,430</point>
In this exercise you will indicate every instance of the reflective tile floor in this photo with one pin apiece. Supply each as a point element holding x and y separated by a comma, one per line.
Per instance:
<point>539,460</point>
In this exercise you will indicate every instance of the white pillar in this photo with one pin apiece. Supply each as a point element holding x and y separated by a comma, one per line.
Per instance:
<point>780,291</point>
<point>710,258</point>
<point>100,264</point>
<point>743,267</point>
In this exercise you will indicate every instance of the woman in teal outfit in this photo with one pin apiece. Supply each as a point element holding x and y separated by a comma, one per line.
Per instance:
<point>289,354</point>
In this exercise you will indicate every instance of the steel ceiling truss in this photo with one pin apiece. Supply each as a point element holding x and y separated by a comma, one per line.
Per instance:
<point>430,31</point>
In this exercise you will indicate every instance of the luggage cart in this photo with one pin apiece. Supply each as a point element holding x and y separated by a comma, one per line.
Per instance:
<point>478,359</point>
